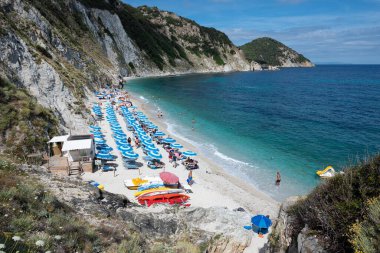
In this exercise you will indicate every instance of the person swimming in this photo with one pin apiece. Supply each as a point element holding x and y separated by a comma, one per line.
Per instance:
<point>278,178</point>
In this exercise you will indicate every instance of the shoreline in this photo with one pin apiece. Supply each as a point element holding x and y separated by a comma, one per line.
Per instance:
<point>215,170</point>
<point>213,189</point>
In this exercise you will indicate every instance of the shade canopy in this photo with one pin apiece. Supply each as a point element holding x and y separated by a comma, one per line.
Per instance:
<point>130,155</point>
<point>189,153</point>
<point>155,155</point>
<point>261,221</point>
<point>176,145</point>
<point>168,140</point>
<point>169,178</point>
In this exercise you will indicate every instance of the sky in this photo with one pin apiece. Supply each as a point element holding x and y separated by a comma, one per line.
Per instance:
<point>325,31</point>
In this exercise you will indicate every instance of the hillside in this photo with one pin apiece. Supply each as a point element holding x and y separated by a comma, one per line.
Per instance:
<point>272,52</point>
<point>341,215</point>
<point>61,50</point>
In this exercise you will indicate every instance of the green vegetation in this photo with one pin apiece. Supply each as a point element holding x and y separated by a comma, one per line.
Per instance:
<point>269,51</point>
<point>35,221</point>
<point>365,235</point>
<point>345,209</point>
<point>25,126</point>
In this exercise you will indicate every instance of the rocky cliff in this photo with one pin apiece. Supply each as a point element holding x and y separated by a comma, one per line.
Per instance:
<point>267,51</point>
<point>61,50</point>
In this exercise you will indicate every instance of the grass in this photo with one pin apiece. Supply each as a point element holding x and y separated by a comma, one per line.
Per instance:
<point>340,203</point>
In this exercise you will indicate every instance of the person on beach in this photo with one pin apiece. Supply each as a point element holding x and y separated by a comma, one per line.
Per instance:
<point>174,160</point>
<point>129,141</point>
<point>190,180</point>
<point>137,142</point>
<point>170,156</point>
<point>278,178</point>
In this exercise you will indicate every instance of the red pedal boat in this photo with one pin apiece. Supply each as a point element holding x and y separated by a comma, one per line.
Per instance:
<point>174,198</point>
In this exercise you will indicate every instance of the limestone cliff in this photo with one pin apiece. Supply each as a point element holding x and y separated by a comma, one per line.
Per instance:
<point>61,50</point>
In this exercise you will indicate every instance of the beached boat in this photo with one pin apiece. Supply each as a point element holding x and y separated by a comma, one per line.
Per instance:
<point>151,190</point>
<point>327,172</point>
<point>160,192</point>
<point>135,183</point>
<point>175,198</point>
<point>150,185</point>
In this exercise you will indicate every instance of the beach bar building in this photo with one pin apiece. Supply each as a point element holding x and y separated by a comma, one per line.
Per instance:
<point>71,154</point>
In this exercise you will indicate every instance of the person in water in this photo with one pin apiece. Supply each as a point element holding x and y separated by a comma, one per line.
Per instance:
<point>278,178</point>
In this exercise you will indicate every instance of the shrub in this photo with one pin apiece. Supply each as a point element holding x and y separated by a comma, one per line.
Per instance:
<point>335,205</point>
<point>365,235</point>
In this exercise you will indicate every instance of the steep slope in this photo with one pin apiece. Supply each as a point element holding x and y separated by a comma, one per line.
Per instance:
<point>200,48</point>
<point>272,52</point>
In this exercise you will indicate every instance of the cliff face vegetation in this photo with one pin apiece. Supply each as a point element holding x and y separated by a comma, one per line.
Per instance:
<point>344,211</point>
<point>272,52</point>
<point>25,126</point>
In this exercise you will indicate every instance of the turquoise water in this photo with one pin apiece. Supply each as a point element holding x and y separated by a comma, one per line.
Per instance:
<point>295,121</point>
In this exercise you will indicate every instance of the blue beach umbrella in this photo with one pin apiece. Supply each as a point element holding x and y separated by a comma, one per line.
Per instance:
<point>96,127</point>
<point>189,153</point>
<point>104,148</point>
<point>147,142</point>
<point>155,155</point>
<point>151,148</point>
<point>168,140</point>
<point>103,151</point>
<point>121,142</point>
<point>176,145</point>
<point>261,221</point>
<point>130,155</point>
<point>100,142</point>
<point>159,134</point>
<point>120,137</point>
<point>125,148</point>
<point>145,137</point>
<point>103,156</point>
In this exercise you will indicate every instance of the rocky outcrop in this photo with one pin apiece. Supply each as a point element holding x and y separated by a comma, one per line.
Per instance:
<point>256,66</point>
<point>282,240</point>
<point>269,52</point>
<point>308,242</point>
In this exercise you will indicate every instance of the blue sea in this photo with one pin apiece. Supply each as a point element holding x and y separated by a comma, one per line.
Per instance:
<point>294,121</point>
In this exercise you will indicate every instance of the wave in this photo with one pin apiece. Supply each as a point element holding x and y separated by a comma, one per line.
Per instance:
<point>227,158</point>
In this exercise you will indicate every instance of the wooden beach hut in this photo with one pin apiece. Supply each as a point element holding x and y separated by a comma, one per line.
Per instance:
<point>71,154</point>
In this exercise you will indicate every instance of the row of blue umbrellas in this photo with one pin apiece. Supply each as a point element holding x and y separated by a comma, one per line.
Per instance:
<point>120,137</point>
<point>103,150</point>
<point>146,140</point>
